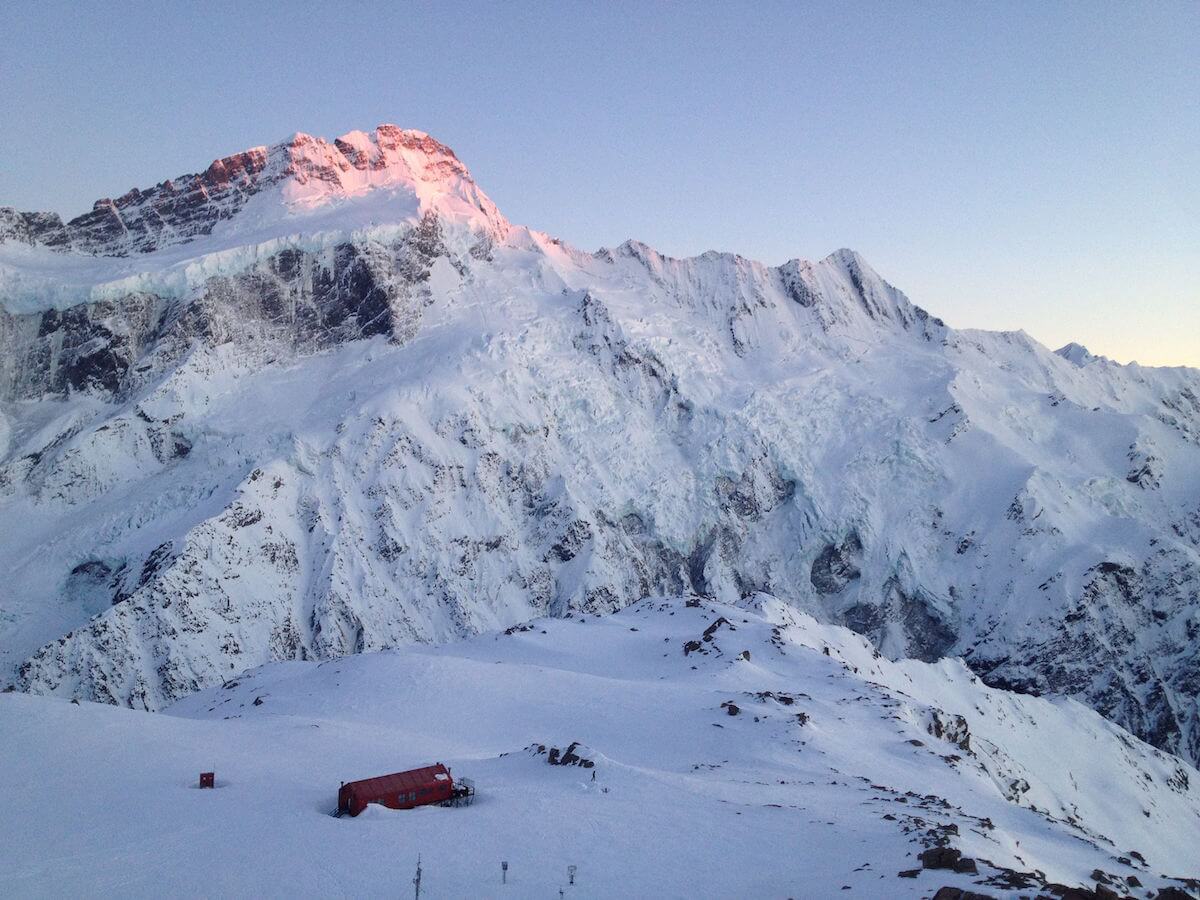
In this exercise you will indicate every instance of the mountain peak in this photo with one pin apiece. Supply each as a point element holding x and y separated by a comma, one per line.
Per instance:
<point>406,172</point>
<point>1077,354</point>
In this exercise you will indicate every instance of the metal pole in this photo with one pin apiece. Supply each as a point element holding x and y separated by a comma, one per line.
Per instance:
<point>417,879</point>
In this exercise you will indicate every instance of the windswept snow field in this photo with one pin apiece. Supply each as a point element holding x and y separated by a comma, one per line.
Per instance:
<point>828,780</point>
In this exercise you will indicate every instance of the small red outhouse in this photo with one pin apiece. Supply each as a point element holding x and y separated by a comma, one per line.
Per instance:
<point>403,790</point>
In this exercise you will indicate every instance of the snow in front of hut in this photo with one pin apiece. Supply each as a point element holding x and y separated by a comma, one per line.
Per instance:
<point>739,751</point>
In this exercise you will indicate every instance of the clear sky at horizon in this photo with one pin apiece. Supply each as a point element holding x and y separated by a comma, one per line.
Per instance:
<point>1012,165</point>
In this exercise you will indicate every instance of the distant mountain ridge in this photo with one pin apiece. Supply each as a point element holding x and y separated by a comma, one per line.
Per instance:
<point>324,398</point>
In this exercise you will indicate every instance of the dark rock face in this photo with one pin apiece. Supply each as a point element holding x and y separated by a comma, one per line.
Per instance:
<point>1112,651</point>
<point>89,347</point>
<point>928,633</point>
<point>95,583</point>
<point>27,227</point>
<point>755,493</point>
<point>296,297</point>
<point>578,533</point>
<point>837,565</point>
<point>795,287</point>
<point>117,580</point>
<point>306,301</point>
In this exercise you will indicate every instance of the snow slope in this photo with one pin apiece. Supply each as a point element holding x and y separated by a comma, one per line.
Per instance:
<point>830,774</point>
<point>339,404</point>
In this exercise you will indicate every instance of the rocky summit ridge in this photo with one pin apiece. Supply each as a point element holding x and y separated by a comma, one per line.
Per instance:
<point>305,171</point>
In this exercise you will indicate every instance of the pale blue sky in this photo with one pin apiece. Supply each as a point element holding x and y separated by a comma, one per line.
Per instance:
<point>1012,165</point>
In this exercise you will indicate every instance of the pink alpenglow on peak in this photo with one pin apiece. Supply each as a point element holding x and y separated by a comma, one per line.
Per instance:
<point>389,176</point>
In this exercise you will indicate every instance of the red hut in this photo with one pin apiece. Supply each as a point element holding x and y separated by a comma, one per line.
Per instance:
<point>403,790</point>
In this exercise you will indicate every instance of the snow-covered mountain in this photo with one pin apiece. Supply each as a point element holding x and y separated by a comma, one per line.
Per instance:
<point>704,750</point>
<point>323,398</point>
